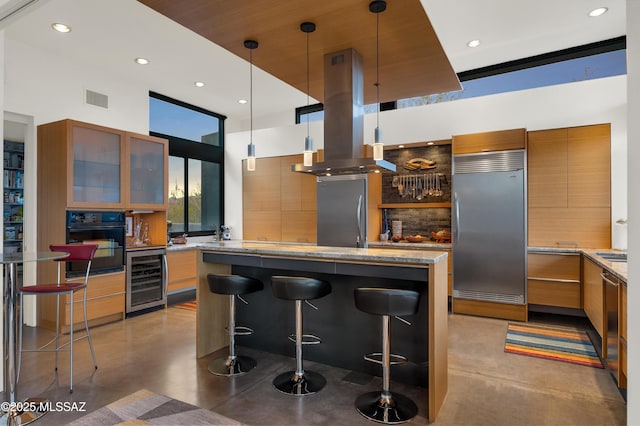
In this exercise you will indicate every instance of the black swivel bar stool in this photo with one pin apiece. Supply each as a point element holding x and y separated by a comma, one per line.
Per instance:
<point>234,286</point>
<point>300,382</point>
<point>386,407</point>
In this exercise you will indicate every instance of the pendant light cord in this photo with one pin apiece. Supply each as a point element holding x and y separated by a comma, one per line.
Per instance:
<point>251,96</point>
<point>307,83</point>
<point>378,68</point>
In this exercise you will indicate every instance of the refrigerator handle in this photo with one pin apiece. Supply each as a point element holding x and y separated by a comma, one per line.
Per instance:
<point>456,208</point>
<point>359,221</point>
<point>165,281</point>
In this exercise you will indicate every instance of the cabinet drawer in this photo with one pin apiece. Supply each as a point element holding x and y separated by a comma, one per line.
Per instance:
<point>553,266</point>
<point>102,285</point>
<point>96,308</point>
<point>182,265</point>
<point>554,293</point>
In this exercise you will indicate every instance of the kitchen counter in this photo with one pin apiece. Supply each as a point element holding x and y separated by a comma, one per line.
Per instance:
<point>619,269</point>
<point>340,325</point>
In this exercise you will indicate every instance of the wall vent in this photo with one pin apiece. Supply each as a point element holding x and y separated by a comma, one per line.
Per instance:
<point>97,99</point>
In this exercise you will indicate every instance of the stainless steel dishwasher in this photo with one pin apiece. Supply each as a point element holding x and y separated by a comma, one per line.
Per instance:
<point>611,285</point>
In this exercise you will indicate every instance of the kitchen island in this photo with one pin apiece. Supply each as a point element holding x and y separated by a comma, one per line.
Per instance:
<point>337,321</point>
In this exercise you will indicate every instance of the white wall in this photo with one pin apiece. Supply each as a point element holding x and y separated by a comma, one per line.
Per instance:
<point>51,88</point>
<point>575,104</point>
<point>633,95</point>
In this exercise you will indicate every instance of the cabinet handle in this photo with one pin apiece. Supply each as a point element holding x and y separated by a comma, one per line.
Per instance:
<point>567,243</point>
<point>553,280</point>
<point>165,283</point>
<point>608,281</point>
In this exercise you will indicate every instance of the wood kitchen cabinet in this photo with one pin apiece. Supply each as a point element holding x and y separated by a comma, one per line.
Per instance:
<point>105,303</point>
<point>622,349</point>
<point>569,187</point>
<point>83,166</point>
<point>554,279</point>
<point>147,172</point>
<point>95,167</point>
<point>183,269</point>
<point>500,140</point>
<point>593,295</point>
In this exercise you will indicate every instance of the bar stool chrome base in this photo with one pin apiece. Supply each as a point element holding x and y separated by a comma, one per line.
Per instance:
<point>25,417</point>
<point>394,409</point>
<point>294,384</point>
<point>232,366</point>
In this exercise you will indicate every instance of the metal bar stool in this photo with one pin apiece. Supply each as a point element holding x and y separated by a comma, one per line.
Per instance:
<point>79,253</point>
<point>386,407</point>
<point>299,289</point>
<point>234,286</point>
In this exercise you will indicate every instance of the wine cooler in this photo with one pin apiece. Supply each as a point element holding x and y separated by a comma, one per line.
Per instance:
<point>146,279</point>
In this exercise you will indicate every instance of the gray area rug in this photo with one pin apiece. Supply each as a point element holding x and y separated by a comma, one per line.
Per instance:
<point>147,408</point>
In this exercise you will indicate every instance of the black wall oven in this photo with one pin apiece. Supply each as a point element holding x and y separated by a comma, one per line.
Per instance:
<point>107,230</point>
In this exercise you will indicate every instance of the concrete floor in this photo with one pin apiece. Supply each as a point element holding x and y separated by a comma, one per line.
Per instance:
<point>156,351</point>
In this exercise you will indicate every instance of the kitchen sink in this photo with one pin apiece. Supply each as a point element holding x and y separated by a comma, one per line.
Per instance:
<point>613,257</point>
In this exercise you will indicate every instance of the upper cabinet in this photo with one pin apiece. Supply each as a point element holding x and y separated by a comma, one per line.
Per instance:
<point>95,157</point>
<point>96,167</point>
<point>569,186</point>
<point>147,172</point>
<point>500,140</point>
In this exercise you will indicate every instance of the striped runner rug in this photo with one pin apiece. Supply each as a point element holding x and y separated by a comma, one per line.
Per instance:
<point>558,343</point>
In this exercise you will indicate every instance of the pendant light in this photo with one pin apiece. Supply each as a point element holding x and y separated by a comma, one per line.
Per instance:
<point>377,7</point>
<point>251,148</point>
<point>308,27</point>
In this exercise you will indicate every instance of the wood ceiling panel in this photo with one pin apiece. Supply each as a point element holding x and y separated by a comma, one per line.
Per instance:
<point>412,61</point>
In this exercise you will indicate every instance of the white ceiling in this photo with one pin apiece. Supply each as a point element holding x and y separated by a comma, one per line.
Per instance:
<point>110,34</point>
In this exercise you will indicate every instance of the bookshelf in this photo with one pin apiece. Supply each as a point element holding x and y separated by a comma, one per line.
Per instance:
<point>13,196</point>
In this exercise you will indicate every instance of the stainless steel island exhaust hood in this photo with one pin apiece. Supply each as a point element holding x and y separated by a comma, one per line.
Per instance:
<point>343,120</point>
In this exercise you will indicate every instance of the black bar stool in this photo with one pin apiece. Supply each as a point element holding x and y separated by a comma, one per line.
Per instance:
<point>234,286</point>
<point>386,407</point>
<point>300,382</point>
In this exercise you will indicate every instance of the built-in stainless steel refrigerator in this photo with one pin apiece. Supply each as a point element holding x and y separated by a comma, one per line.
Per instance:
<point>489,227</point>
<point>342,210</point>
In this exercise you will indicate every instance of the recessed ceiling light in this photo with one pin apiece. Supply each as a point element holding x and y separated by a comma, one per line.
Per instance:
<point>597,12</point>
<point>473,43</point>
<point>242,101</point>
<point>199,84</point>
<point>142,61</point>
<point>61,28</point>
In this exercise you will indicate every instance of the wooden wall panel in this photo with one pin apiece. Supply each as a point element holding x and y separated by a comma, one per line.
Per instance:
<point>571,227</point>
<point>589,166</point>
<point>547,168</point>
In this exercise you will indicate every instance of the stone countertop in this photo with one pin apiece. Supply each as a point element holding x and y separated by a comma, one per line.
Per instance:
<point>308,251</point>
<point>618,269</point>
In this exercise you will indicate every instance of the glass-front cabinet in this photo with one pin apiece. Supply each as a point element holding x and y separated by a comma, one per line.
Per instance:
<point>96,163</point>
<point>147,172</point>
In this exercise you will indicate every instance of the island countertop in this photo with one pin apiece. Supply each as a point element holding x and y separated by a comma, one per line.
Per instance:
<point>375,255</point>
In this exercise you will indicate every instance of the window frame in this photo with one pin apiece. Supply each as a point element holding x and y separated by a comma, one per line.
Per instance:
<point>188,149</point>
<point>604,46</point>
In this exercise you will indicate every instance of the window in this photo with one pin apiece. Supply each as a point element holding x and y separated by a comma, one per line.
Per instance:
<point>596,60</point>
<point>196,163</point>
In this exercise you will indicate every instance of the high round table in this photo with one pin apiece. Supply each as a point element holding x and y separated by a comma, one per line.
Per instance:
<point>10,332</point>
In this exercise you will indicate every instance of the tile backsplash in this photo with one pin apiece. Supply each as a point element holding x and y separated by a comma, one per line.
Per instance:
<point>419,221</point>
